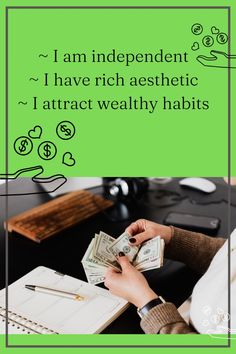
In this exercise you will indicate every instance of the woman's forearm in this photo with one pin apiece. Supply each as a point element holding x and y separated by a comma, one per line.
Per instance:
<point>194,249</point>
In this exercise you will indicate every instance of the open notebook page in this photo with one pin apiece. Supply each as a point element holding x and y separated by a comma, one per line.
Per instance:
<point>58,314</point>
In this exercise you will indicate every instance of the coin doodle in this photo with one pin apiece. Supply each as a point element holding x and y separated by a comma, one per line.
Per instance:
<point>65,130</point>
<point>23,145</point>
<point>222,38</point>
<point>197,29</point>
<point>208,41</point>
<point>47,150</point>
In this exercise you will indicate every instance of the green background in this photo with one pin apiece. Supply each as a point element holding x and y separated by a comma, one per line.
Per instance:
<point>115,143</point>
<point>123,340</point>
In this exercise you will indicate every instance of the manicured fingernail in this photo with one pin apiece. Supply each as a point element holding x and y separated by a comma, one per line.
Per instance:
<point>132,240</point>
<point>121,254</point>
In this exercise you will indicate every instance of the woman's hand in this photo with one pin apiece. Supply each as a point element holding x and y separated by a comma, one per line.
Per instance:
<point>130,284</point>
<point>143,229</point>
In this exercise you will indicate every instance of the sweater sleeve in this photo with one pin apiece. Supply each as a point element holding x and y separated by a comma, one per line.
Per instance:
<point>165,319</point>
<point>194,249</point>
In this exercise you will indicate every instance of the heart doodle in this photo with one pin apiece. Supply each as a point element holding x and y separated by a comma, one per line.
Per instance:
<point>68,159</point>
<point>195,46</point>
<point>214,30</point>
<point>36,132</point>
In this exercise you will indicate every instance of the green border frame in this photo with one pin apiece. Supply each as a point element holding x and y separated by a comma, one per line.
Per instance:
<point>228,8</point>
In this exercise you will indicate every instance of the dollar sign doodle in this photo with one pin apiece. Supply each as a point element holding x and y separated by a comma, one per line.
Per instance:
<point>208,41</point>
<point>65,130</point>
<point>222,38</point>
<point>47,150</point>
<point>22,146</point>
<point>196,29</point>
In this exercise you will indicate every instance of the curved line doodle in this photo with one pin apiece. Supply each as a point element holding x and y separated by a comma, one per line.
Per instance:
<point>216,58</point>
<point>61,179</point>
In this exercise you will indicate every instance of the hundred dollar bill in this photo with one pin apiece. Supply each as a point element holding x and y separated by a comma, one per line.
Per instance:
<point>94,268</point>
<point>122,244</point>
<point>94,278</point>
<point>102,253</point>
<point>152,263</point>
<point>89,258</point>
<point>103,249</point>
<point>95,243</point>
<point>94,271</point>
<point>148,251</point>
<point>162,251</point>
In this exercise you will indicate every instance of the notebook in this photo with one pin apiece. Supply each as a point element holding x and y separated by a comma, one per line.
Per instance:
<point>34,312</point>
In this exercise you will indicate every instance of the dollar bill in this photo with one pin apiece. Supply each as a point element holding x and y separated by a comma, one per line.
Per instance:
<point>149,250</point>
<point>162,251</point>
<point>152,263</point>
<point>97,258</point>
<point>122,244</point>
<point>94,278</point>
<point>89,258</point>
<point>103,250</point>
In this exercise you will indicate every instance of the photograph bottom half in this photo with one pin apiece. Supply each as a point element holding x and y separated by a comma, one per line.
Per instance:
<point>118,255</point>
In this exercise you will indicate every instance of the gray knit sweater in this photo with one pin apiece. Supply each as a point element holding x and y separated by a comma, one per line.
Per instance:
<point>196,251</point>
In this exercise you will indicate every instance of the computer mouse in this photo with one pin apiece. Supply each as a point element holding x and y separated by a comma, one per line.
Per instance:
<point>198,183</point>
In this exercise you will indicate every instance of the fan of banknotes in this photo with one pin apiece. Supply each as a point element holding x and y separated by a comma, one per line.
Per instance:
<point>103,250</point>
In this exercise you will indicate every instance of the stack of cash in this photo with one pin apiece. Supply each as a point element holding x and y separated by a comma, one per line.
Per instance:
<point>103,251</point>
